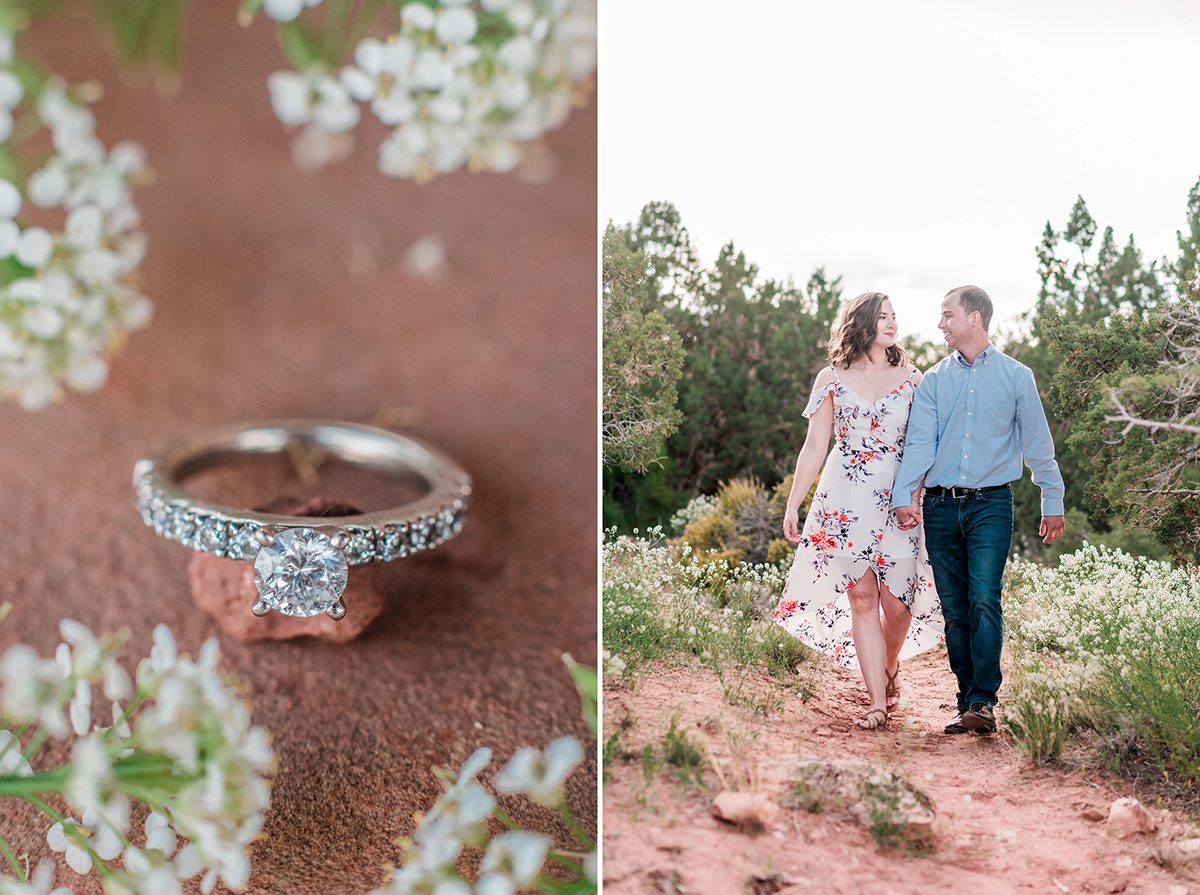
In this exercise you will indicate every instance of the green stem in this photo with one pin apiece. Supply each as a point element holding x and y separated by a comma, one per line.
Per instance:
<point>45,807</point>
<point>43,781</point>
<point>575,827</point>
<point>501,816</point>
<point>362,22</point>
<point>12,858</point>
<point>558,858</point>
<point>36,743</point>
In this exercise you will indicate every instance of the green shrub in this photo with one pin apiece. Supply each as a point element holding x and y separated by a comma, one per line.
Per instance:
<point>1110,642</point>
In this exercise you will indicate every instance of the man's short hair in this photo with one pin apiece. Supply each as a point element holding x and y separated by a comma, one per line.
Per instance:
<point>972,298</point>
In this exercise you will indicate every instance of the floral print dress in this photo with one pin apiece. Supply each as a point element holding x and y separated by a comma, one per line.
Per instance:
<point>851,528</point>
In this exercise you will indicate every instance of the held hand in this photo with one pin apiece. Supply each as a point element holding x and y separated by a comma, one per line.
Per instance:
<point>791,530</point>
<point>1051,528</point>
<point>908,517</point>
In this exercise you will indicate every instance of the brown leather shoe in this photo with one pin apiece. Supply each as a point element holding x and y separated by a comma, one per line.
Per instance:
<point>955,725</point>
<point>979,718</point>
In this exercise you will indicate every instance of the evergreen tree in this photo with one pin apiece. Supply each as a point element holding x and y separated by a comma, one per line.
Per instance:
<point>642,360</point>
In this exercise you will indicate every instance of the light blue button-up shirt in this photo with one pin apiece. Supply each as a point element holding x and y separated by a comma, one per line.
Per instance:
<point>972,425</point>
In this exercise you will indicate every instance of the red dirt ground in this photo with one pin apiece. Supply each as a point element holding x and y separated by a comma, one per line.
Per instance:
<point>1002,825</point>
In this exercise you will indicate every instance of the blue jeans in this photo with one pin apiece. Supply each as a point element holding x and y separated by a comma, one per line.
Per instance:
<point>968,540</point>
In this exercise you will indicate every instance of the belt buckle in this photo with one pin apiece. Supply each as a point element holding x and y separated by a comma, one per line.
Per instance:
<point>966,492</point>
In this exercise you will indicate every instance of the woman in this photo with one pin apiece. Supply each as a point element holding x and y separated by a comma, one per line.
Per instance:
<point>858,580</point>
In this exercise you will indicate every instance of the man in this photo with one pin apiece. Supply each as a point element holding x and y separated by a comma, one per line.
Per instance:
<point>976,415</point>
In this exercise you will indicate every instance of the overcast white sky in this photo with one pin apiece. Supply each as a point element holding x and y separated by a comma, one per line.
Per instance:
<point>910,147</point>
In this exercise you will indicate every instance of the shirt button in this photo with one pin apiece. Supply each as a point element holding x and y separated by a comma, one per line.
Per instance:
<point>964,456</point>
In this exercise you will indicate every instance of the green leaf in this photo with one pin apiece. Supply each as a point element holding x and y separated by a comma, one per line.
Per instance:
<point>575,887</point>
<point>587,684</point>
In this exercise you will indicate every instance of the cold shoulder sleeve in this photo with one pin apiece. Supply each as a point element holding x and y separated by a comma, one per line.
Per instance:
<point>823,386</point>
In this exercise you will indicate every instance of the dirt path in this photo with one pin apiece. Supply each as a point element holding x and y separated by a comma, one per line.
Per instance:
<point>1002,825</point>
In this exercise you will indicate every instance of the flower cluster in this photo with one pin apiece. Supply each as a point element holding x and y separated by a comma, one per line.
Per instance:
<point>69,244</point>
<point>659,601</point>
<point>513,860</point>
<point>1108,640</point>
<point>697,508</point>
<point>180,743</point>
<point>459,82</point>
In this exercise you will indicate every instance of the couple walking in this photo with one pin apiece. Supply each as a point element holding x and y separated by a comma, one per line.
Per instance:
<point>861,587</point>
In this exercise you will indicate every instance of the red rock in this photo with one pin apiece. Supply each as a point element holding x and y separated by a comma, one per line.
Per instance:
<point>1127,817</point>
<point>224,588</point>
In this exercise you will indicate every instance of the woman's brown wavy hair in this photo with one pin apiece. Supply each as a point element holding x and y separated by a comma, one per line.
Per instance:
<point>855,331</point>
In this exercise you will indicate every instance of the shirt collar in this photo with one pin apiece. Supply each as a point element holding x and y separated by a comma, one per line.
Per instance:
<point>987,351</point>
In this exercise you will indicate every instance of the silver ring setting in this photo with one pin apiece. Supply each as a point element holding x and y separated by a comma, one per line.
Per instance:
<point>301,563</point>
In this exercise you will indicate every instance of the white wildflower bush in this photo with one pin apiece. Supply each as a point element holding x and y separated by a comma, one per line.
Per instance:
<point>457,82</point>
<point>176,746</point>
<point>1106,641</point>
<point>695,509</point>
<point>660,602</point>
<point>70,240</point>
<point>468,818</point>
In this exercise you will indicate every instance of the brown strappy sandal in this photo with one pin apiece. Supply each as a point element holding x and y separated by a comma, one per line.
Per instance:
<point>872,720</point>
<point>892,692</point>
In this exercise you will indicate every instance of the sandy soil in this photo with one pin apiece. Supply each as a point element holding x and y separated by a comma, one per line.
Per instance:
<point>1002,826</point>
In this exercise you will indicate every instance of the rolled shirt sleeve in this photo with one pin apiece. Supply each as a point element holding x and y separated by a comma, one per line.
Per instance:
<point>1037,445</point>
<point>920,443</point>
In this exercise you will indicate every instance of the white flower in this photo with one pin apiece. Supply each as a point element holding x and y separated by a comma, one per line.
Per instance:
<point>494,884</point>
<point>34,690</point>
<point>81,708</point>
<point>541,775</point>
<point>518,854</point>
<point>313,97</point>
<point>149,871</point>
<point>80,840</point>
<point>418,16</point>
<point>38,884</point>
<point>12,762</point>
<point>456,25</point>
<point>455,94</point>
<point>61,324</point>
<point>286,10</point>
<point>92,785</point>
<point>10,200</point>
<point>380,75</point>
<point>159,834</point>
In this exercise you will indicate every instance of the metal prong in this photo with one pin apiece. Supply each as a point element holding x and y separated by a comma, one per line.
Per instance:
<point>260,607</point>
<point>265,537</point>
<point>340,541</point>
<point>337,611</point>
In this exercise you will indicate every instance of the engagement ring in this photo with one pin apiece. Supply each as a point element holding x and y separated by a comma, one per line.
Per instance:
<point>301,562</point>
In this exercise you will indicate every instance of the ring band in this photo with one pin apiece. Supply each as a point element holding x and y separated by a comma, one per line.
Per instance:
<point>300,562</point>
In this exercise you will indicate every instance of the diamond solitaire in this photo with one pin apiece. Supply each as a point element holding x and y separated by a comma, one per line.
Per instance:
<point>301,563</point>
<point>300,572</point>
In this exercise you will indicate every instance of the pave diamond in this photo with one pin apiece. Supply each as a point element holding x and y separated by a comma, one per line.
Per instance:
<point>213,535</point>
<point>242,544</point>
<point>393,543</point>
<point>361,546</point>
<point>301,573</point>
<point>418,534</point>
